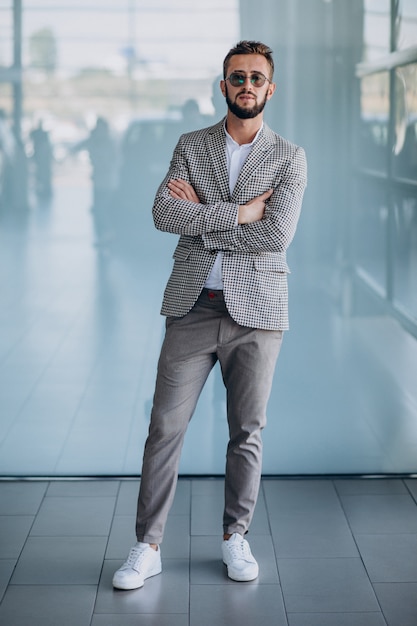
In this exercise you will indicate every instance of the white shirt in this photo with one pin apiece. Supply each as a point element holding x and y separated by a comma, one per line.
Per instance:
<point>235,157</point>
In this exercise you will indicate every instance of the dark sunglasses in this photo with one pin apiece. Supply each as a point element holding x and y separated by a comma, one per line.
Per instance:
<point>237,79</point>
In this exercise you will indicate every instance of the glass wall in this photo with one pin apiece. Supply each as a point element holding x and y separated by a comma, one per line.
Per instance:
<point>386,161</point>
<point>122,63</point>
<point>93,98</point>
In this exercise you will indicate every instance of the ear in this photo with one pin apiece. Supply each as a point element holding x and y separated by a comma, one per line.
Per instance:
<point>271,89</point>
<point>223,87</point>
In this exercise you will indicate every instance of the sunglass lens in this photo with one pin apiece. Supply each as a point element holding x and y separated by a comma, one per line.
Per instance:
<point>236,80</point>
<point>257,80</point>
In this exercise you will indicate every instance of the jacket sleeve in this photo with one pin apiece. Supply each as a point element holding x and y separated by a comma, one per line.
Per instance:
<point>276,230</point>
<point>182,217</point>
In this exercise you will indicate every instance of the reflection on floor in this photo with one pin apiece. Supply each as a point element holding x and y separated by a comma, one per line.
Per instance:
<point>80,332</point>
<point>332,552</point>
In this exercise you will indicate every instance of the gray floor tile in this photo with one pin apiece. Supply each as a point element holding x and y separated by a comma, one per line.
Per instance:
<point>307,520</point>
<point>166,593</point>
<point>207,515</point>
<point>182,499</point>
<point>297,521</point>
<point>371,486</point>
<point>122,537</point>
<point>411,484</point>
<point>381,514</point>
<point>389,558</point>
<point>83,488</point>
<point>312,532</point>
<point>336,619</point>
<point>260,522</point>
<point>21,498</point>
<point>60,561</point>
<point>242,604</point>
<point>145,620</point>
<point>326,586</point>
<point>14,530</point>
<point>207,567</point>
<point>207,512</point>
<point>41,605</point>
<point>127,498</point>
<point>176,544</point>
<point>81,516</point>
<point>298,538</point>
<point>6,571</point>
<point>398,602</point>
<point>208,487</point>
<point>281,493</point>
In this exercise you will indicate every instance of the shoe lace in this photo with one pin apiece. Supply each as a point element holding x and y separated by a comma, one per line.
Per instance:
<point>136,556</point>
<point>240,550</point>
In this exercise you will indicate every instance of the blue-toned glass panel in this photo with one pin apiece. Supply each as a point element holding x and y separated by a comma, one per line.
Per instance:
<point>405,253</point>
<point>370,231</point>
<point>374,122</point>
<point>376,29</point>
<point>407,25</point>
<point>405,145</point>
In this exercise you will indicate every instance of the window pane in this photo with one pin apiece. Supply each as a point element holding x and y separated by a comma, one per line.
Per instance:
<point>370,228</point>
<point>122,60</point>
<point>376,29</point>
<point>407,32</point>
<point>405,254</point>
<point>6,34</point>
<point>405,148</point>
<point>6,98</point>
<point>373,131</point>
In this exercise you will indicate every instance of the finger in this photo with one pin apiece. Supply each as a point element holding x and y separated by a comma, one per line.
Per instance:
<point>175,195</point>
<point>173,184</point>
<point>181,184</point>
<point>176,192</point>
<point>267,194</point>
<point>184,190</point>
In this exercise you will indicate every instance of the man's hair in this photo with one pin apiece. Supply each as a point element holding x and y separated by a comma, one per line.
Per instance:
<point>249,47</point>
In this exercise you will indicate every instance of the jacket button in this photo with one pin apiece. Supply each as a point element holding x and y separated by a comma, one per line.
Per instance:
<point>213,251</point>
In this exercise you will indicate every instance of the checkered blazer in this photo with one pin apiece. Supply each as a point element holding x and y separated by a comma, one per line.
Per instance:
<point>254,255</point>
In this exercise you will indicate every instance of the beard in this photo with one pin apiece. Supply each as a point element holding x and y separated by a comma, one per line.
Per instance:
<point>242,113</point>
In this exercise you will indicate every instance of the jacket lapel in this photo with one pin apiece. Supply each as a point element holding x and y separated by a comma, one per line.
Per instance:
<point>257,155</point>
<point>217,150</point>
<point>216,145</point>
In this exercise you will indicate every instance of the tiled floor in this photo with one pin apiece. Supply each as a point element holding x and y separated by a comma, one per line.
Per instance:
<point>332,552</point>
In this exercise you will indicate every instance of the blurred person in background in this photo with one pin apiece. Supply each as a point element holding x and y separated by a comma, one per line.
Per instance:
<point>14,169</point>
<point>102,151</point>
<point>42,159</point>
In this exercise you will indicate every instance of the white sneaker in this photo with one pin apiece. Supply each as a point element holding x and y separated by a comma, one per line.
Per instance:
<point>142,563</point>
<point>241,565</point>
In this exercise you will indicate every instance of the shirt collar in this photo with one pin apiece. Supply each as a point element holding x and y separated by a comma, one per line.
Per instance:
<point>231,142</point>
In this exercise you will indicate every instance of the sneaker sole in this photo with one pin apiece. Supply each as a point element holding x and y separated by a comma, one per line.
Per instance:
<point>239,578</point>
<point>127,587</point>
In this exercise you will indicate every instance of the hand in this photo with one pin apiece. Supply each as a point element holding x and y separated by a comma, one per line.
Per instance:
<point>181,190</point>
<point>254,210</point>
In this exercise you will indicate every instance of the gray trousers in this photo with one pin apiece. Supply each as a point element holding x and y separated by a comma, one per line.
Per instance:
<point>191,347</point>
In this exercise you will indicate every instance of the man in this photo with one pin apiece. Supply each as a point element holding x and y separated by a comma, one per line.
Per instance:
<point>233,193</point>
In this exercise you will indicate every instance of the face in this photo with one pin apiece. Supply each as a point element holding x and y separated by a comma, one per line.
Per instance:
<point>247,101</point>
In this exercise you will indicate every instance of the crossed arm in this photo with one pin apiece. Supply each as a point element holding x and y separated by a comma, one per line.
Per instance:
<point>266,223</point>
<point>252,211</point>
